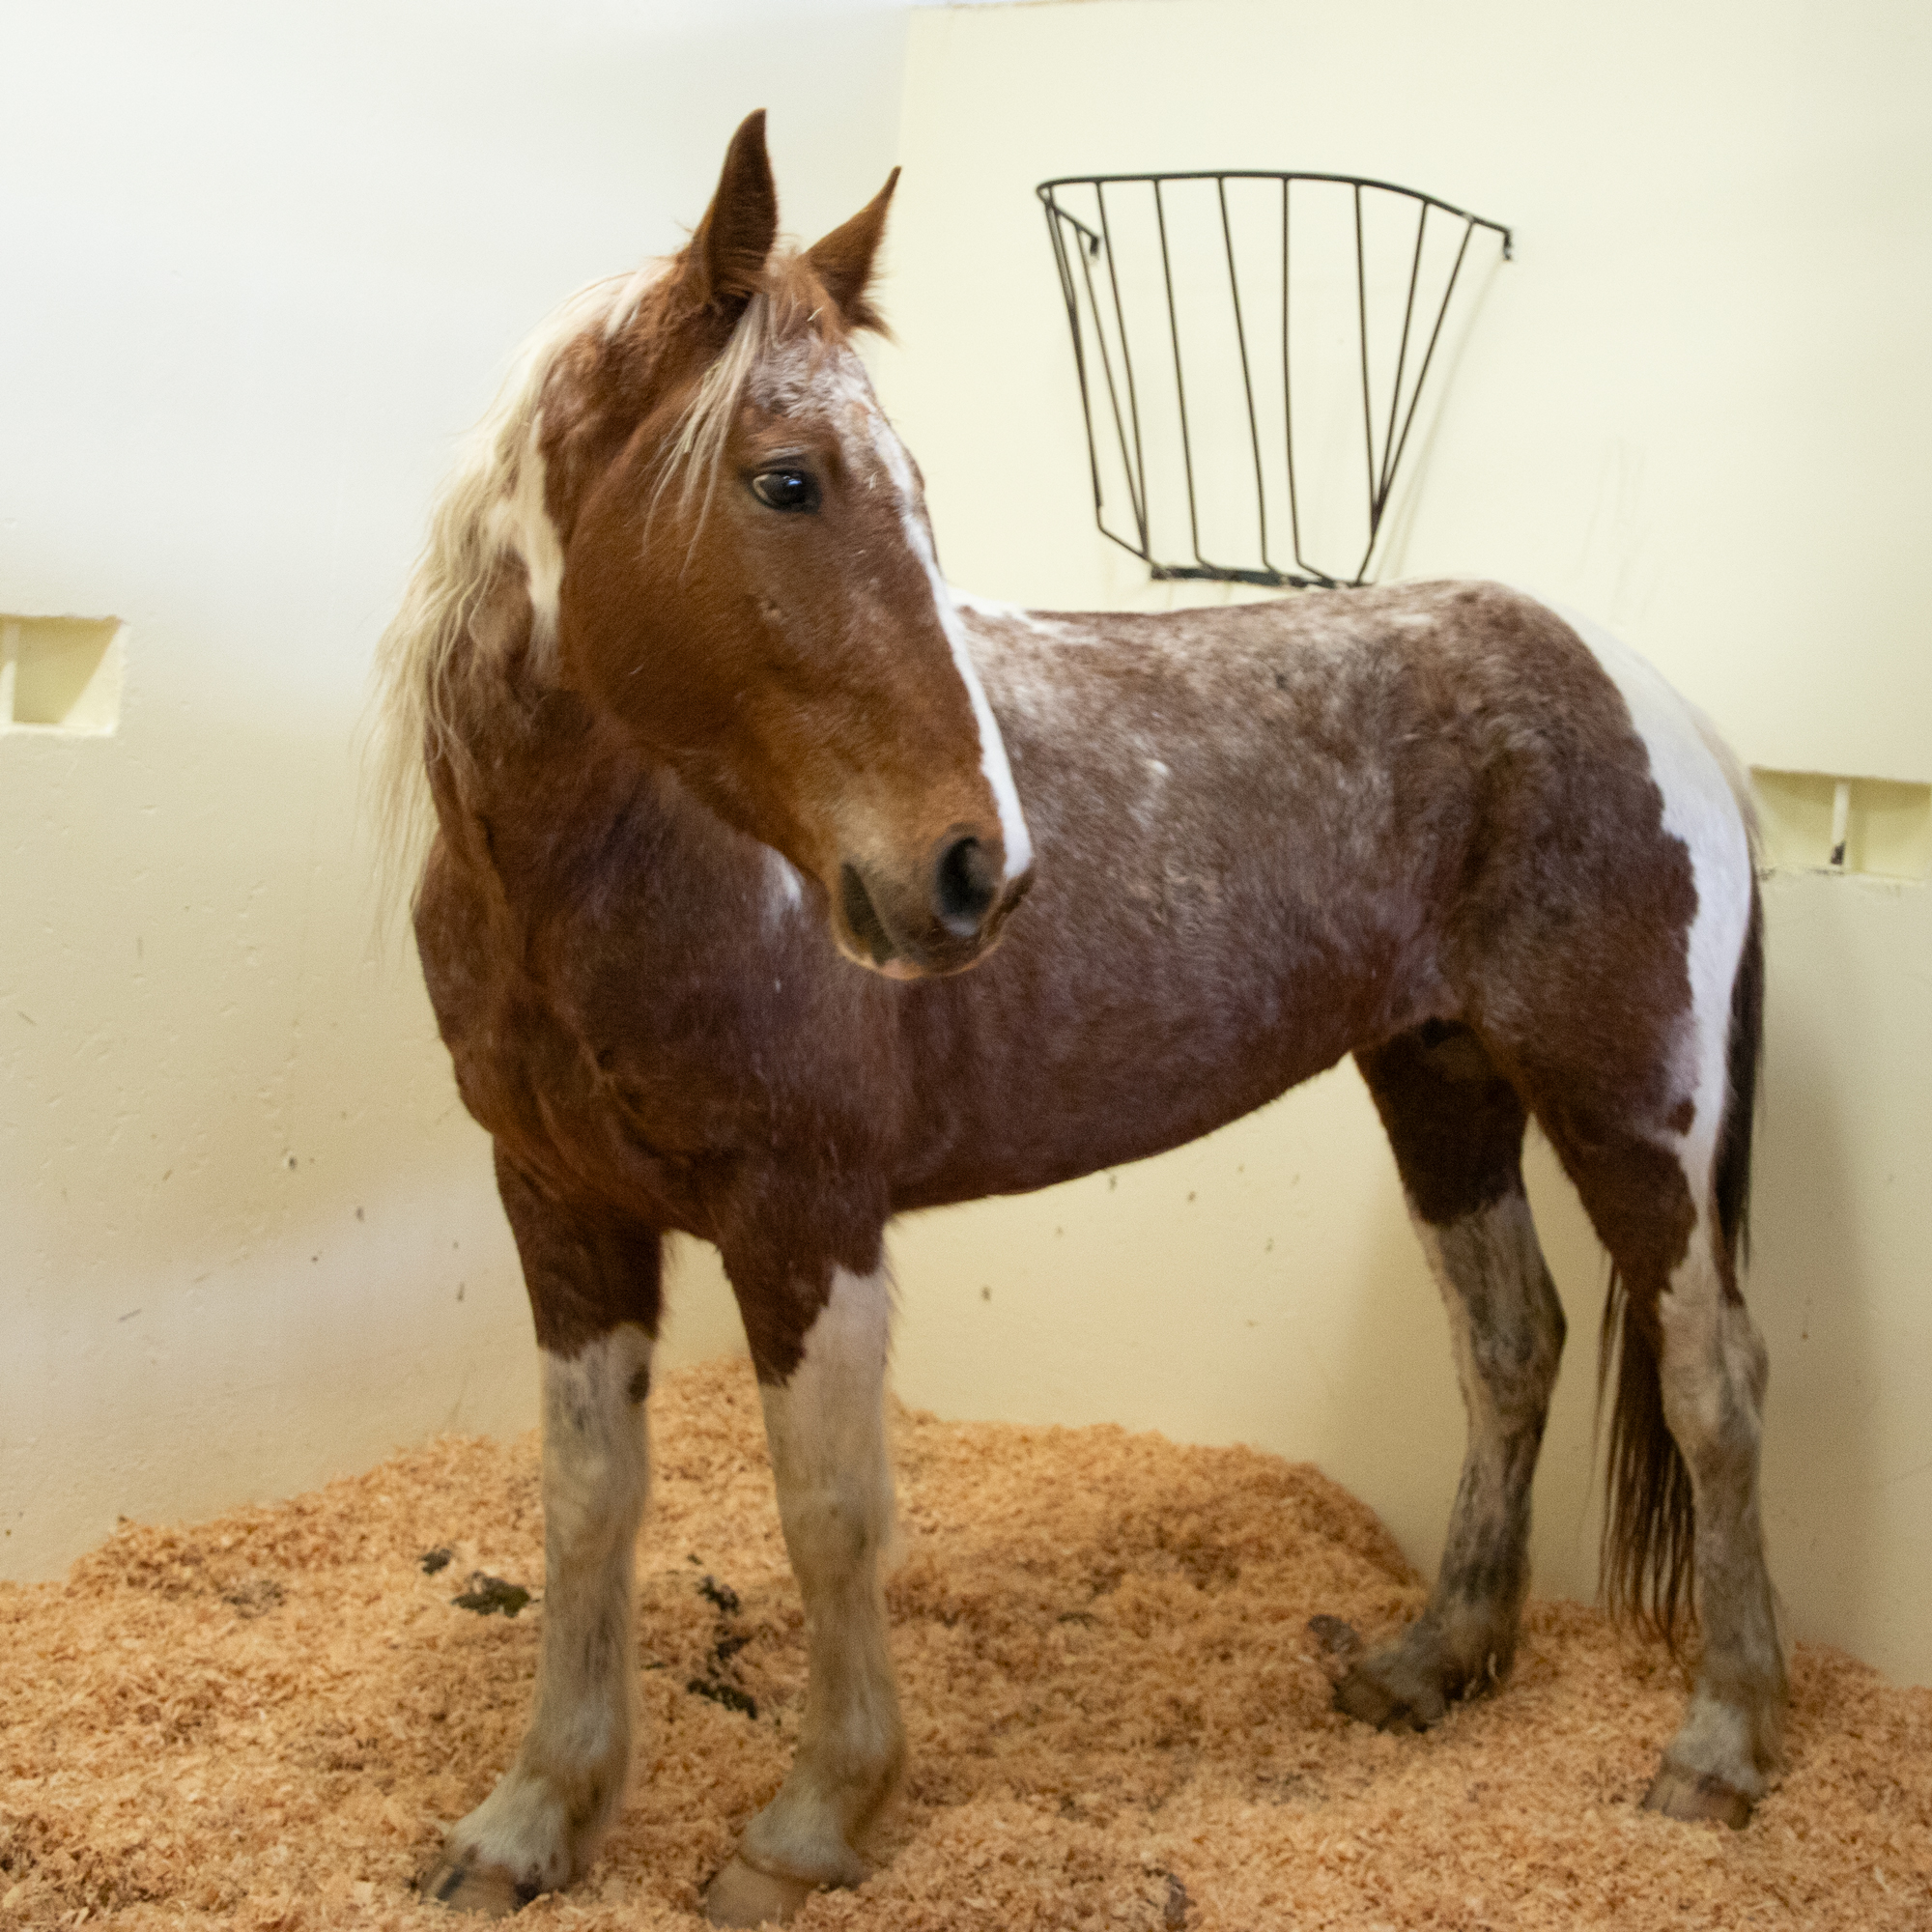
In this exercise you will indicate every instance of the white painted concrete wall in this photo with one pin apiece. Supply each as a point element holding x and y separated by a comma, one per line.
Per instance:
<point>1695,405</point>
<point>259,270</point>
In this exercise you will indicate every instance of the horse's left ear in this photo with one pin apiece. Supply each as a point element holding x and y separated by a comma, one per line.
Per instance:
<point>844,259</point>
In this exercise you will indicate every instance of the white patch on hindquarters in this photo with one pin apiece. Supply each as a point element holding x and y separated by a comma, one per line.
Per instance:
<point>1703,810</point>
<point>826,1431</point>
<point>1713,1366</point>
<point>541,1826</point>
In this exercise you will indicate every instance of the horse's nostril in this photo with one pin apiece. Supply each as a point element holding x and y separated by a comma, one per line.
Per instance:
<point>965,885</point>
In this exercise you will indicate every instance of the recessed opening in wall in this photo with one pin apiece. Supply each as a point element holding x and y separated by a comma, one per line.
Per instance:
<point>60,674</point>
<point>1814,821</point>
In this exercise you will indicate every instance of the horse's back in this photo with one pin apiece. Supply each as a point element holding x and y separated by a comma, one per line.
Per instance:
<point>1275,834</point>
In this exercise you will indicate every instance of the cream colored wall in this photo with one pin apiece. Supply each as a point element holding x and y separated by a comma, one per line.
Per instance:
<point>262,266</point>
<point>1693,406</point>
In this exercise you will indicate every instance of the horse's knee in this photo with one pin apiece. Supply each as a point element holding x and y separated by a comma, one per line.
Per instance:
<point>836,1526</point>
<point>595,1451</point>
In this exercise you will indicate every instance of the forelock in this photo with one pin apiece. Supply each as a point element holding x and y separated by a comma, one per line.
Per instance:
<point>789,345</point>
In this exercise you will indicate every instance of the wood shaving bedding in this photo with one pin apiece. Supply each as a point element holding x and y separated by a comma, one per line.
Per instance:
<point>1118,1712</point>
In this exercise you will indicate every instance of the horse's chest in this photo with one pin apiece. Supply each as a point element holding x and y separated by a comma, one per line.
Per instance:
<point>641,1058</point>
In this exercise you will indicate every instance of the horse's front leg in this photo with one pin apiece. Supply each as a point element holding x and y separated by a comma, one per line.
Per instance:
<point>821,1352</point>
<point>594,1293</point>
<point>1456,1128</point>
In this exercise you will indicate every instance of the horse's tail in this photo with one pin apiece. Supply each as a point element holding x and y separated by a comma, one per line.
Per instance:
<point>1733,1169</point>
<point>1649,1523</point>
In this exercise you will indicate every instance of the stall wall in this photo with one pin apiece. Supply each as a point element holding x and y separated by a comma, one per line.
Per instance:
<point>1693,406</point>
<point>260,269</point>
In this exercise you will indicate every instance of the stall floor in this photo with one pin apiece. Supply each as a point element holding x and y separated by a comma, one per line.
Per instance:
<point>1119,1714</point>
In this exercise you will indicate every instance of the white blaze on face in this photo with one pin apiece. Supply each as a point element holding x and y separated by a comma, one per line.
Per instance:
<point>891,456</point>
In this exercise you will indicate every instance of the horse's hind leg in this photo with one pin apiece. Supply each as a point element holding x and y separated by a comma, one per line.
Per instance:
<point>1683,1433</point>
<point>1456,1128</point>
<point>818,1340</point>
<point>594,1292</point>
<point>1712,1382</point>
<point>1641,1065</point>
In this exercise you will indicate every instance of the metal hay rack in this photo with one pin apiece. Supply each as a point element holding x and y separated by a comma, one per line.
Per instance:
<point>1234,321</point>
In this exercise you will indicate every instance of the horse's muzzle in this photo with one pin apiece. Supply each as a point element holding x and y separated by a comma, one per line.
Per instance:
<point>944,920</point>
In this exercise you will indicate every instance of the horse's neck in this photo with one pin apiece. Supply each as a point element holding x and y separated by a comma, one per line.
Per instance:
<point>552,799</point>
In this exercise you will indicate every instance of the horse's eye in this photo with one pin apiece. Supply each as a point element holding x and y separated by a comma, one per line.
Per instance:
<point>785,489</point>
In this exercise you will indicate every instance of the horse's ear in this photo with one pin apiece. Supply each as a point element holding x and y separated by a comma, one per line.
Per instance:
<point>844,259</point>
<point>724,260</point>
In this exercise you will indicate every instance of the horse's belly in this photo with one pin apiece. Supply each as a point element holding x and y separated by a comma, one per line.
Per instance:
<point>1054,1081</point>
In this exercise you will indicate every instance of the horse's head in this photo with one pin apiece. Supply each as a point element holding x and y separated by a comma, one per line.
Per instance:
<point>746,581</point>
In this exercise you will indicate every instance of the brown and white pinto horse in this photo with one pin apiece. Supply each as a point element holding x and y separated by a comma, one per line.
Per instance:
<point>707,737</point>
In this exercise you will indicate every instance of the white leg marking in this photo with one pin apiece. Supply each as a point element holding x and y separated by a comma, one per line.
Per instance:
<point>539,1829</point>
<point>826,1428</point>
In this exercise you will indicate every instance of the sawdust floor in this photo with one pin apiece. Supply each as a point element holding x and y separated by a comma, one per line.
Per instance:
<point>1119,1717</point>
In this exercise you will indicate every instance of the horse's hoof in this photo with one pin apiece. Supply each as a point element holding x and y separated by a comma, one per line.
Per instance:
<point>1339,1642</point>
<point>743,1895</point>
<point>487,1890</point>
<point>1695,1795</point>
<point>1410,1707</point>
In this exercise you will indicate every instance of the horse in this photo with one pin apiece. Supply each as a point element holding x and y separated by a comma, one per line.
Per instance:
<point>774,889</point>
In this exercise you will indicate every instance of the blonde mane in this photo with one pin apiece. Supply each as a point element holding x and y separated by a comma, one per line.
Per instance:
<point>419,659</point>
<point>491,509</point>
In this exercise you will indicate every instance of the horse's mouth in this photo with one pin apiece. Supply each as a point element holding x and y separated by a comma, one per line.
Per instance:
<point>862,921</point>
<point>866,936</point>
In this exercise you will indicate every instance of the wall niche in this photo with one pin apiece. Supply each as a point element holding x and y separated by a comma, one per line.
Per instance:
<point>60,674</point>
